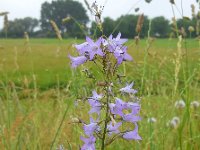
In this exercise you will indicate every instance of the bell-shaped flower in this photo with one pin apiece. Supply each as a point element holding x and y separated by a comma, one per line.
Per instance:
<point>132,135</point>
<point>128,89</point>
<point>121,54</point>
<point>113,128</point>
<point>89,143</point>
<point>76,61</point>
<point>94,48</point>
<point>89,129</point>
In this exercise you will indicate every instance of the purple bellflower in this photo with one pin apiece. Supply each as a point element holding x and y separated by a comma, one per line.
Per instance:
<point>90,48</point>
<point>94,47</point>
<point>94,103</point>
<point>132,135</point>
<point>128,89</point>
<point>96,106</point>
<point>117,109</point>
<point>89,129</point>
<point>96,96</point>
<point>113,128</point>
<point>89,143</point>
<point>112,43</point>
<point>131,118</point>
<point>76,61</point>
<point>121,54</point>
<point>134,107</point>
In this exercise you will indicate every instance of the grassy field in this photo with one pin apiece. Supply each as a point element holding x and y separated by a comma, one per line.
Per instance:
<point>37,87</point>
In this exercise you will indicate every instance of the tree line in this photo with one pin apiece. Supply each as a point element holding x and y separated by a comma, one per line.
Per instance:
<point>72,20</point>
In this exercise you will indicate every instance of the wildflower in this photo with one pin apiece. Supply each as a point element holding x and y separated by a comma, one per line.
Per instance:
<point>131,118</point>
<point>117,109</point>
<point>89,129</point>
<point>96,106</point>
<point>81,47</point>
<point>89,143</point>
<point>112,43</point>
<point>152,120</point>
<point>194,104</point>
<point>113,128</point>
<point>134,107</point>
<point>96,96</point>
<point>121,54</point>
<point>174,122</point>
<point>132,135</point>
<point>128,89</point>
<point>76,61</point>
<point>180,104</point>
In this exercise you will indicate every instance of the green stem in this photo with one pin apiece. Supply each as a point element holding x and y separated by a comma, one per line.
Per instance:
<point>106,120</point>
<point>59,128</point>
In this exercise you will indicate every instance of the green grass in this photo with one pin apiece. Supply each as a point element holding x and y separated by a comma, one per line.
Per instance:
<point>31,110</point>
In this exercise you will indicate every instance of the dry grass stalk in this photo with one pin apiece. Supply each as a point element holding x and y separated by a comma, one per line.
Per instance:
<point>182,32</point>
<point>4,13</point>
<point>172,2</point>
<point>5,25</point>
<point>56,29</point>
<point>58,52</point>
<point>27,46</point>
<point>88,6</point>
<point>198,23</point>
<point>193,11</point>
<point>178,59</point>
<point>16,59</point>
<point>35,87</point>
<point>140,22</point>
<point>65,20</point>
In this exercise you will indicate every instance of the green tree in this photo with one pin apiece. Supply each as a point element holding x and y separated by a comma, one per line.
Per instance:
<point>57,10</point>
<point>17,27</point>
<point>127,25</point>
<point>160,27</point>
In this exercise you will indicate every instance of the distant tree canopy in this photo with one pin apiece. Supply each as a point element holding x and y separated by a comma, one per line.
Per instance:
<point>17,27</point>
<point>160,27</point>
<point>124,24</point>
<point>57,10</point>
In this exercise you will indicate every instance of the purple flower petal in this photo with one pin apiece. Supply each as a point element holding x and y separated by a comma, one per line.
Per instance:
<point>89,143</point>
<point>132,135</point>
<point>76,61</point>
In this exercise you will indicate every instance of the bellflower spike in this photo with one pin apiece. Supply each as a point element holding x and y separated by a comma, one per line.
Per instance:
<point>132,135</point>
<point>113,128</point>
<point>76,61</point>
<point>89,143</point>
<point>128,89</point>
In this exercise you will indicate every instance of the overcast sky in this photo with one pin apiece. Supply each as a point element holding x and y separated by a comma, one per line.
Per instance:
<point>113,8</point>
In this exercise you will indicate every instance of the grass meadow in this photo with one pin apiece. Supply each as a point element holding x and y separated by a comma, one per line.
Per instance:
<point>38,93</point>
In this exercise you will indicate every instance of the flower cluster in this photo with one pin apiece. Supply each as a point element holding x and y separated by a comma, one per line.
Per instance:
<point>90,49</point>
<point>120,110</point>
<point>108,112</point>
